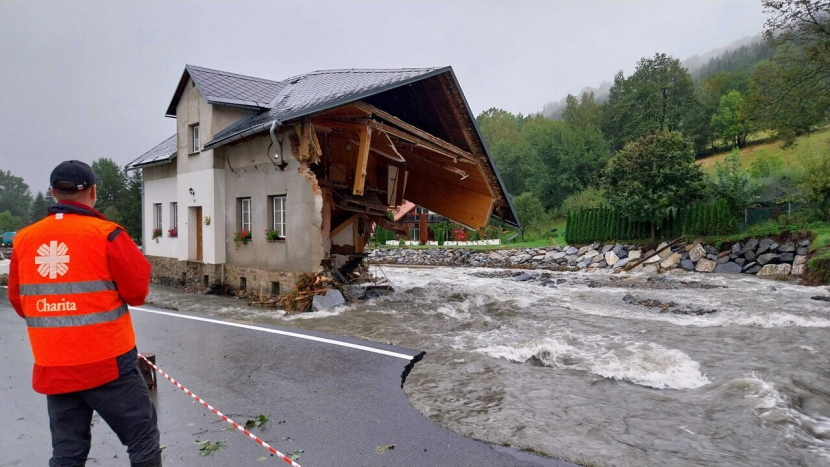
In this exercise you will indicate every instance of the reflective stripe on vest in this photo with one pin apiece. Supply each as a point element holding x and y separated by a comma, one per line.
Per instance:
<point>77,320</point>
<point>63,288</point>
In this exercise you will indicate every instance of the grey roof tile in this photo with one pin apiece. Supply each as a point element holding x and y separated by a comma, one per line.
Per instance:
<point>164,152</point>
<point>318,90</point>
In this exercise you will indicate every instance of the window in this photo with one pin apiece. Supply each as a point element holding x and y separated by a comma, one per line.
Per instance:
<point>414,233</point>
<point>278,204</point>
<point>174,216</point>
<point>157,209</point>
<point>194,131</point>
<point>245,214</point>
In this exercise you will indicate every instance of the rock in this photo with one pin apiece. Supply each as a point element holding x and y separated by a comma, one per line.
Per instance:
<point>522,277</point>
<point>684,255</point>
<point>786,257</point>
<point>621,263</point>
<point>653,259</point>
<point>571,250</point>
<point>788,247</point>
<point>804,243</point>
<point>583,250</point>
<point>753,269</point>
<point>799,265</point>
<point>331,299</point>
<point>751,244</point>
<point>705,265</point>
<point>589,254</point>
<point>775,270</point>
<point>724,253</point>
<point>619,250</point>
<point>723,259</point>
<point>601,264</point>
<point>768,258</point>
<point>521,258</point>
<point>538,258</point>
<point>750,265</point>
<point>628,298</point>
<point>741,261</point>
<point>607,248</point>
<point>728,268</point>
<point>611,257</point>
<point>737,248</point>
<point>494,256</point>
<point>687,264</point>
<point>635,254</point>
<point>750,255</point>
<point>712,257</point>
<point>696,253</point>
<point>671,262</point>
<point>802,250</point>
<point>710,250</point>
<point>572,260</point>
<point>650,267</point>
<point>580,265</point>
<point>820,298</point>
<point>763,246</point>
<point>555,255</point>
<point>773,247</point>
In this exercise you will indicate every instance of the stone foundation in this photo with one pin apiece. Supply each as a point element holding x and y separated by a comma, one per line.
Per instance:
<point>194,275</point>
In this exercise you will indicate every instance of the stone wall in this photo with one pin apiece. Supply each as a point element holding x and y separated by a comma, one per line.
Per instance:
<point>191,275</point>
<point>763,257</point>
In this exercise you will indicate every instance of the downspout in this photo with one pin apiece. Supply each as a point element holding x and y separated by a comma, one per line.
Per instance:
<point>277,149</point>
<point>141,188</point>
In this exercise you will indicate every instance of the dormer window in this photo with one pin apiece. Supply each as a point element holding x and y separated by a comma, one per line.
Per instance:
<point>194,133</point>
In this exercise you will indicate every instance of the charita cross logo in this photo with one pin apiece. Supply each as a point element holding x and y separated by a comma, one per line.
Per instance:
<point>53,259</point>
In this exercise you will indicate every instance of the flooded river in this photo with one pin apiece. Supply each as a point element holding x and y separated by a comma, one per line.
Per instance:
<point>737,374</point>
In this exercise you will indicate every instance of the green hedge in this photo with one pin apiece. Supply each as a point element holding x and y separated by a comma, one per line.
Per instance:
<point>604,224</point>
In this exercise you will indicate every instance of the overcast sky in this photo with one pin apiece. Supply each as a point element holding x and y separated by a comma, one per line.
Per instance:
<point>84,80</point>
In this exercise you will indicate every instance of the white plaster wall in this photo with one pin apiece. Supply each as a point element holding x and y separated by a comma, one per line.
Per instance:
<point>208,191</point>
<point>162,191</point>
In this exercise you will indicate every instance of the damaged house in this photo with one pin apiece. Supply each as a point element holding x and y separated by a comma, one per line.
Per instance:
<point>265,179</point>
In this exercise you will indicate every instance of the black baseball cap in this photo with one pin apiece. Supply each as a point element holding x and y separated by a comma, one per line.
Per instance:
<point>72,176</point>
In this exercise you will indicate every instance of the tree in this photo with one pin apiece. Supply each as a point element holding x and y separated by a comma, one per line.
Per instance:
<point>39,206</point>
<point>561,159</point>
<point>583,112</point>
<point>659,96</point>
<point>129,206</point>
<point>765,165</point>
<point>585,199</point>
<point>814,179</point>
<point>529,209</point>
<point>110,187</point>
<point>8,222</point>
<point>651,175</point>
<point>15,197</point>
<point>731,123</point>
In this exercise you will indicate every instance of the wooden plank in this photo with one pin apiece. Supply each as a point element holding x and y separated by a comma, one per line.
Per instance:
<point>415,131</point>
<point>304,136</point>
<point>315,144</point>
<point>343,226</point>
<point>362,161</point>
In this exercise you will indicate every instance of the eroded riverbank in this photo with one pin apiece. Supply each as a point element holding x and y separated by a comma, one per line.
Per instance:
<point>571,369</point>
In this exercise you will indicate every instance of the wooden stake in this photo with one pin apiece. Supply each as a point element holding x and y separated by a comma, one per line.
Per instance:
<point>362,161</point>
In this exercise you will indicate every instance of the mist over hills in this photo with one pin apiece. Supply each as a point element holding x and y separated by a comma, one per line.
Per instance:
<point>752,48</point>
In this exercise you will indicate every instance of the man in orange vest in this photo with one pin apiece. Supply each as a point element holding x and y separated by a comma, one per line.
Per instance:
<point>71,277</point>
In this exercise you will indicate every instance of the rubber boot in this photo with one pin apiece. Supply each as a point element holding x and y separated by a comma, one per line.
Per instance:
<point>154,462</point>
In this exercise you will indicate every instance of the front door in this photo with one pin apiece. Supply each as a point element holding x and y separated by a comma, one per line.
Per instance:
<point>199,233</point>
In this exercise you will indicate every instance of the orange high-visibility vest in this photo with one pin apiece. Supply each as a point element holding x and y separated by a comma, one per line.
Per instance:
<point>72,308</point>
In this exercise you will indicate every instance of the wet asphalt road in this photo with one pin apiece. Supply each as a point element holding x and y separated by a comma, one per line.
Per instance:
<point>337,404</point>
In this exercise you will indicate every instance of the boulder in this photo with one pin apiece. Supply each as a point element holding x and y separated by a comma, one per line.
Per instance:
<point>705,265</point>
<point>611,257</point>
<point>763,246</point>
<point>555,255</point>
<point>728,268</point>
<point>788,247</point>
<point>635,254</point>
<point>710,250</point>
<point>712,257</point>
<point>804,243</point>
<point>751,244</point>
<point>522,277</point>
<point>750,255</point>
<point>622,262</point>
<point>600,264</point>
<point>737,248</point>
<point>607,248</point>
<point>775,270</point>
<point>571,250</point>
<point>750,265</point>
<point>723,259</point>
<point>741,261</point>
<point>799,265</point>
<point>653,259</point>
<point>802,250</point>
<point>580,265</point>
<point>620,251</point>
<point>671,262</point>
<point>768,258</point>
<point>696,253</point>
<point>494,256</point>
<point>331,299</point>
<point>773,247</point>
<point>724,253</point>
<point>687,264</point>
<point>650,267</point>
<point>753,269</point>
<point>786,257</point>
<point>583,250</point>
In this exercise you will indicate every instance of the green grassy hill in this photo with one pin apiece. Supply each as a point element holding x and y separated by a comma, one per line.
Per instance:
<point>790,156</point>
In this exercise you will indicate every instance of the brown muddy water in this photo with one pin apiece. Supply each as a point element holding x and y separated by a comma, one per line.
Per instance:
<point>572,370</point>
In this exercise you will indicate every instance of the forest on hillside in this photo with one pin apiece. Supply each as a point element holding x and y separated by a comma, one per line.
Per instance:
<point>635,151</point>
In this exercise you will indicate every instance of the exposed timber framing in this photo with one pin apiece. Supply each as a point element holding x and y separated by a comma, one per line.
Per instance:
<point>362,161</point>
<point>344,225</point>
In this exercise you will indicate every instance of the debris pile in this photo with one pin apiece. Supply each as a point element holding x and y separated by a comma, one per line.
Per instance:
<point>301,297</point>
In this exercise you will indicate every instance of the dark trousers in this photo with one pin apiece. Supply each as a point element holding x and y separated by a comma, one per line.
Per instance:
<point>126,407</point>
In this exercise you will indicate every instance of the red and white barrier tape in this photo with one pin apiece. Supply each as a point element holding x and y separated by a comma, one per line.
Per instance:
<point>223,416</point>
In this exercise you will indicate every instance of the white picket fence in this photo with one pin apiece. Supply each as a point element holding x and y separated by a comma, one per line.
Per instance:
<point>447,243</point>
